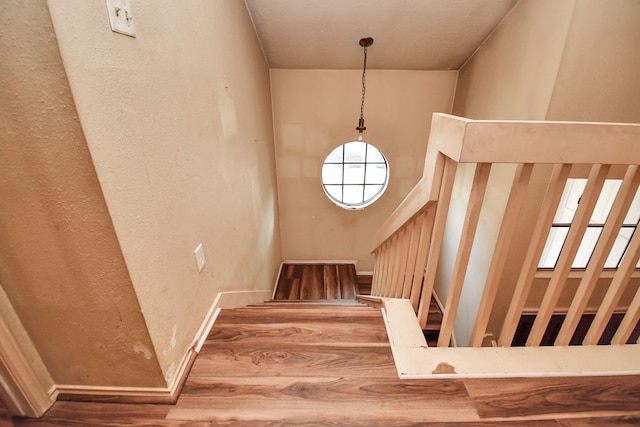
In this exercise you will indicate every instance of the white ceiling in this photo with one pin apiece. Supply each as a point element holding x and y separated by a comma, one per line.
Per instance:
<point>408,34</point>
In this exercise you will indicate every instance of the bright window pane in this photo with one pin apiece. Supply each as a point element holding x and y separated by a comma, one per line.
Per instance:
<point>334,191</point>
<point>354,152</point>
<point>371,190</point>
<point>335,156</point>
<point>587,245</point>
<point>332,173</point>
<point>569,201</point>
<point>552,248</point>
<point>633,215</point>
<point>619,247</point>
<point>376,174</point>
<point>353,174</point>
<point>605,201</point>
<point>353,194</point>
<point>566,211</point>
<point>375,156</point>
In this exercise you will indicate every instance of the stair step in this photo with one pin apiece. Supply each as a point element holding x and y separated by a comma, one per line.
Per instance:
<point>291,330</point>
<point>314,305</point>
<point>272,359</point>
<point>316,281</point>
<point>346,316</point>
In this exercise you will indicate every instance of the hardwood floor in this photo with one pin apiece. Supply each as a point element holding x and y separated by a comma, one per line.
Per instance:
<point>316,281</point>
<point>315,364</point>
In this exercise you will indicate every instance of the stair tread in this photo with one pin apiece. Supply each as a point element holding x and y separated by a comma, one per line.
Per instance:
<point>319,333</point>
<point>274,359</point>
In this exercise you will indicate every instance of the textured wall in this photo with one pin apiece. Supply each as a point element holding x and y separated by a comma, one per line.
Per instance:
<point>60,263</point>
<point>178,124</point>
<point>317,110</point>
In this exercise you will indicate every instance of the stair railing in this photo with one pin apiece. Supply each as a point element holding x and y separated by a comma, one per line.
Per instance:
<point>410,257</point>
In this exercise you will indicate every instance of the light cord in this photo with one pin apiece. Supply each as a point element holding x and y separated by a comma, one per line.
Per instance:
<point>364,79</point>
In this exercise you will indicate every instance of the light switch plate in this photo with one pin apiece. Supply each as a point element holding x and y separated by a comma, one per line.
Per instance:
<point>121,17</point>
<point>200,259</point>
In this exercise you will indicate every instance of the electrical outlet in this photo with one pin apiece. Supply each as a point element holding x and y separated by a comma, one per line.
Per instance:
<point>200,259</point>
<point>121,17</point>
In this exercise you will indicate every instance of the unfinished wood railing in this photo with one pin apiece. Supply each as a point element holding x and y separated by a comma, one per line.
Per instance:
<point>427,242</point>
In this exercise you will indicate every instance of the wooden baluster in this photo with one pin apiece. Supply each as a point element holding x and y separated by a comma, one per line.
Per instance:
<point>529,266</point>
<point>613,295</point>
<point>503,244</point>
<point>392,265</point>
<point>377,269</point>
<point>567,255</point>
<point>400,264</point>
<point>421,258</point>
<point>397,263</point>
<point>376,266</point>
<point>384,268</point>
<point>382,260</point>
<point>404,261</point>
<point>442,209</point>
<point>629,321</point>
<point>478,189</point>
<point>619,210</point>
<point>412,250</point>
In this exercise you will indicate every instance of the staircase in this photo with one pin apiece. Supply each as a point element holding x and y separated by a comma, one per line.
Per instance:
<point>299,362</point>
<point>323,363</point>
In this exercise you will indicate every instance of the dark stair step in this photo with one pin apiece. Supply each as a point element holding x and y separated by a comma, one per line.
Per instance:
<point>316,281</point>
<point>364,284</point>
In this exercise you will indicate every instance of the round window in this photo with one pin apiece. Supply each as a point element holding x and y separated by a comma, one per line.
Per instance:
<point>354,175</point>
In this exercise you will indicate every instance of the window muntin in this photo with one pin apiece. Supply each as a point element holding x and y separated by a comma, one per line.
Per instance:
<point>564,216</point>
<point>354,175</point>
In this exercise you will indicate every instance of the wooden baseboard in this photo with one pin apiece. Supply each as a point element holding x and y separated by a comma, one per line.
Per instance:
<point>170,394</point>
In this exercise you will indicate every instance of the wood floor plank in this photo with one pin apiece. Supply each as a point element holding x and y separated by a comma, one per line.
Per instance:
<point>348,280</point>
<point>537,396</point>
<point>620,420</point>
<point>244,315</point>
<point>306,399</point>
<point>330,281</point>
<point>65,413</point>
<point>315,333</point>
<point>325,388</point>
<point>316,281</point>
<point>273,359</point>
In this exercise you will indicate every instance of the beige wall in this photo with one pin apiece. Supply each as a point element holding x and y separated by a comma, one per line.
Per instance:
<point>599,76</point>
<point>549,60</point>
<point>317,110</point>
<point>178,123</point>
<point>60,263</point>
<point>512,76</point>
<point>120,155</point>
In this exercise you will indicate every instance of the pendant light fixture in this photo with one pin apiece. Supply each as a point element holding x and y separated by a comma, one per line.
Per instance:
<point>365,43</point>
<point>355,174</point>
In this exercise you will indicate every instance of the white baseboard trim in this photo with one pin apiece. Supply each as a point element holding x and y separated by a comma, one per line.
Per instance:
<point>232,299</point>
<point>21,388</point>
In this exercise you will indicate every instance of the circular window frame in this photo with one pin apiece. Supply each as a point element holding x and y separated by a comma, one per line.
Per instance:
<point>371,158</point>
